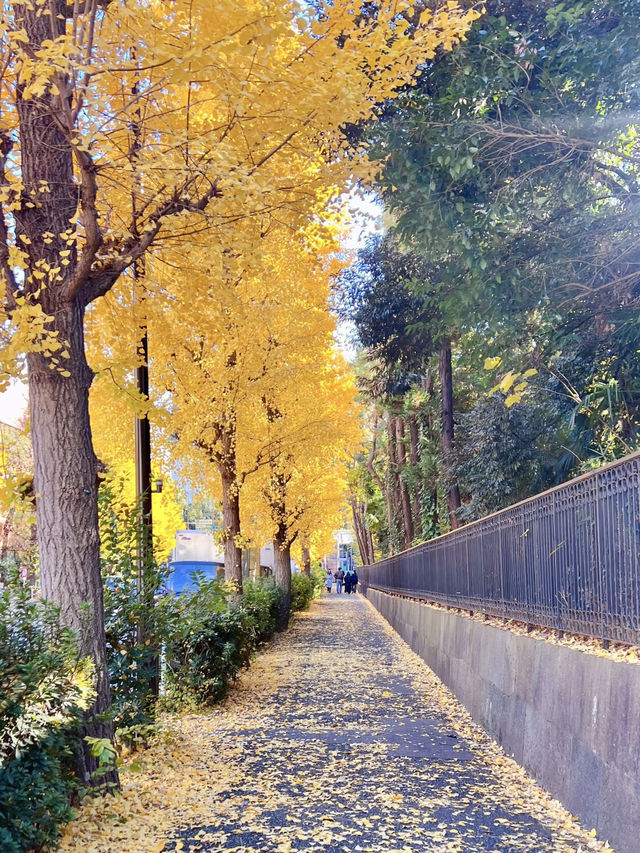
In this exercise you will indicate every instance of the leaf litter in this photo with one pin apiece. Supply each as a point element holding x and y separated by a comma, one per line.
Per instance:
<point>339,738</point>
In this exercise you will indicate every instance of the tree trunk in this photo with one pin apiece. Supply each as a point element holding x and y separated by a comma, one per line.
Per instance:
<point>65,466</point>
<point>144,500</point>
<point>393,478</point>
<point>66,486</point>
<point>363,534</point>
<point>231,531</point>
<point>401,458</point>
<point>306,561</point>
<point>359,528</point>
<point>414,459</point>
<point>231,525</point>
<point>384,489</point>
<point>230,505</point>
<point>435,513</point>
<point>282,576</point>
<point>6,532</point>
<point>447,430</point>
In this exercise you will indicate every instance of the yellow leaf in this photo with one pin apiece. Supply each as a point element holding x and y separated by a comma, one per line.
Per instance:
<point>507,381</point>
<point>492,363</point>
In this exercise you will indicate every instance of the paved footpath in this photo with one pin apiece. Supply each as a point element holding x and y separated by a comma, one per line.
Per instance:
<point>338,739</point>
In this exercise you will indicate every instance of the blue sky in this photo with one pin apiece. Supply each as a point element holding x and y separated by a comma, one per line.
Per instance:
<point>13,403</point>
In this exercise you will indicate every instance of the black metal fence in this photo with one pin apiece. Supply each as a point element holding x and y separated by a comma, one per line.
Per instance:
<point>566,559</point>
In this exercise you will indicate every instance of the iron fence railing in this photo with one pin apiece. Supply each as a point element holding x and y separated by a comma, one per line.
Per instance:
<point>566,559</point>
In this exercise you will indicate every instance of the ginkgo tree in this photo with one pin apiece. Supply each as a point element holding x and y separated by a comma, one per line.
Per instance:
<point>312,428</point>
<point>267,327</point>
<point>127,126</point>
<point>112,417</point>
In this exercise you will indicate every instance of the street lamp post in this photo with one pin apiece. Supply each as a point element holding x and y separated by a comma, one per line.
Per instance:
<point>143,449</point>
<point>146,588</point>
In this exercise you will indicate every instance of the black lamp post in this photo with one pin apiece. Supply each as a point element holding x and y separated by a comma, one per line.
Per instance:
<point>144,490</point>
<point>143,440</point>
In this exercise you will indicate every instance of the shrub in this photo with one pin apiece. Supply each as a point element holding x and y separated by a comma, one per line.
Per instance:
<point>209,643</point>
<point>35,795</point>
<point>206,658</point>
<point>213,639</point>
<point>318,576</point>
<point>302,591</point>
<point>260,600</point>
<point>136,624</point>
<point>44,689</point>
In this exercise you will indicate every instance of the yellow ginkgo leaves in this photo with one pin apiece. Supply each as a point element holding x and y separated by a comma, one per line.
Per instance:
<point>513,384</point>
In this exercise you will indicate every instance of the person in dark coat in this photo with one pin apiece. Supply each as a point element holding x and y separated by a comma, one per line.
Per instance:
<point>354,581</point>
<point>347,582</point>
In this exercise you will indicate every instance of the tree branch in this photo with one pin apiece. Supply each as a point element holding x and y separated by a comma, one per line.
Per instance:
<point>102,279</point>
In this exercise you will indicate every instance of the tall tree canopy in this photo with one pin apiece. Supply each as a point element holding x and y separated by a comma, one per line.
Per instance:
<point>512,169</point>
<point>129,128</point>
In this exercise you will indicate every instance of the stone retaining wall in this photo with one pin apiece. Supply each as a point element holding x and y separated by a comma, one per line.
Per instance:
<point>571,718</point>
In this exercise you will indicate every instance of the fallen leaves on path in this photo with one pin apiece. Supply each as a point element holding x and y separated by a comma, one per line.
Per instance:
<point>338,738</point>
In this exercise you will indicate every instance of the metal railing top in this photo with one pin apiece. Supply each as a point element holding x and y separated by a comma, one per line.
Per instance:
<point>567,558</point>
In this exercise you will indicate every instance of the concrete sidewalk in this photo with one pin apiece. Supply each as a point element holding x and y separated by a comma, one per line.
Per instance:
<point>341,739</point>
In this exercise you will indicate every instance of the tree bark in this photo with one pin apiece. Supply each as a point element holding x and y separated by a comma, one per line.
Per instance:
<point>6,532</point>
<point>66,486</point>
<point>224,457</point>
<point>434,504</point>
<point>363,534</point>
<point>282,575</point>
<point>306,561</point>
<point>65,466</point>
<point>358,527</point>
<point>393,477</point>
<point>401,458</point>
<point>384,489</point>
<point>447,429</point>
<point>231,531</point>
<point>144,500</point>
<point>414,459</point>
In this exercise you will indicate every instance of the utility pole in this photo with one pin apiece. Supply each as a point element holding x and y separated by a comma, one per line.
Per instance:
<point>143,453</point>
<point>146,589</point>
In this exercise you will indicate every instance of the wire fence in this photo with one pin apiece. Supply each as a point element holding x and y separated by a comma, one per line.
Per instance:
<point>566,559</point>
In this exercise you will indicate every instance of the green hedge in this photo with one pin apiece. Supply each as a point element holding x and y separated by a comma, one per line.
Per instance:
<point>44,689</point>
<point>302,591</point>
<point>260,599</point>
<point>214,639</point>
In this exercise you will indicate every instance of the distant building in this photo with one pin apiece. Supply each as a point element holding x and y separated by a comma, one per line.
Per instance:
<point>195,551</point>
<point>198,551</point>
<point>344,553</point>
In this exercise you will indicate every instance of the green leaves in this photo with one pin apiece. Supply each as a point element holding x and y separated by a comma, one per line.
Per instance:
<point>104,751</point>
<point>45,687</point>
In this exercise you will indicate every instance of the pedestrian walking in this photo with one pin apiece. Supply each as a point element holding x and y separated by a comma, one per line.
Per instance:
<point>354,581</point>
<point>339,576</point>
<point>328,581</point>
<point>347,582</point>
